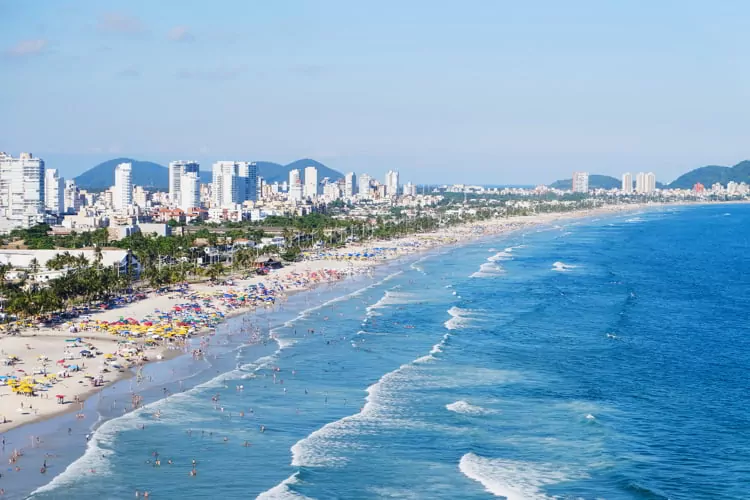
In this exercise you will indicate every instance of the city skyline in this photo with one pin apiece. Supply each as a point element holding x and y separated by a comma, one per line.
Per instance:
<point>548,88</point>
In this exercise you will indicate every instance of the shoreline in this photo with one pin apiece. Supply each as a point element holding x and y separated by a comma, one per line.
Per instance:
<point>466,235</point>
<point>405,247</point>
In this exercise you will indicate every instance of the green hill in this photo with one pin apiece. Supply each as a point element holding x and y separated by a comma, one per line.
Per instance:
<point>595,182</point>
<point>711,174</point>
<point>154,176</point>
<point>145,173</point>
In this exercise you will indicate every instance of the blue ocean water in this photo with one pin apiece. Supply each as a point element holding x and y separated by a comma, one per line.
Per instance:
<point>597,358</point>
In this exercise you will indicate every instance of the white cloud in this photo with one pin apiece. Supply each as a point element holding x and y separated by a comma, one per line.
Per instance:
<point>181,34</point>
<point>27,48</point>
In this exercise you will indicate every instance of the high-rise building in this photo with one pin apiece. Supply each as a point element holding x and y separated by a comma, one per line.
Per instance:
<point>627,183</point>
<point>54,192</point>
<point>650,182</point>
<point>311,182</point>
<point>248,173</point>
<point>122,195</point>
<point>645,183</point>
<point>350,185</point>
<point>410,189</point>
<point>580,182</point>
<point>72,197</point>
<point>295,185</point>
<point>140,196</point>
<point>391,183</point>
<point>190,191</point>
<point>363,186</point>
<point>21,190</point>
<point>176,170</point>
<point>234,183</point>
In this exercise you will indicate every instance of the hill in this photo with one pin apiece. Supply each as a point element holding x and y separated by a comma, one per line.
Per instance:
<point>595,182</point>
<point>155,176</point>
<point>711,174</point>
<point>145,173</point>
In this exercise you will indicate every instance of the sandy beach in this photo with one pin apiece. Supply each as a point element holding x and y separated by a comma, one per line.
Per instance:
<point>76,359</point>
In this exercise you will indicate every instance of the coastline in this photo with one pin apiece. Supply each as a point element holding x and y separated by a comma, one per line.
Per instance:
<point>402,247</point>
<point>433,241</point>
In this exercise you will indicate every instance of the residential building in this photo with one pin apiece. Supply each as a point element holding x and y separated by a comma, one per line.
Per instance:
<point>410,189</point>
<point>363,186</point>
<point>645,183</point>
<point>140,196</point>
<point>350,185</point>
<point>190,192</point>
<point>311,182</point>
<point>248,188</point>
<point>580,182</point>
<point>71,197</point>
<point>391,183</point>
<point>21,191</point>
<point>295,186</point>
<point>627,183</point>
<point>54,192</point>
<point>234,183</point>
<point>176,170</point>
<point>122,195</point>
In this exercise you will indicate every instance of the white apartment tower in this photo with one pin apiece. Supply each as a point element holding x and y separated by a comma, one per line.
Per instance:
<point>234,182</point>
<point>627,183</point>
<point>350,185</point>
<point>21,191</point>
<point>311,182</point>
<point>650,182</point>
<point>642,183</point>
<point>122,195</point>
<point>190,191</point>
<point>71,198</point>
<point>391,183</point>
<point>364,186</point>
<point>580,182</point>
<point>54,192</point>
<point>295,185</point>
<point>176,170</point>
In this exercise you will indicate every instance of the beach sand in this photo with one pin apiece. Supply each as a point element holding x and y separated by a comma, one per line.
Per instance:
<point>319,267</point>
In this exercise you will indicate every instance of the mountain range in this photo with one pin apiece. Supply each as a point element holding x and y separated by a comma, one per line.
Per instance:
<point>154,176</point>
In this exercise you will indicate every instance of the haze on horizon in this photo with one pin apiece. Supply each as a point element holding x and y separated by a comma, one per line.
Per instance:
<point>476,91</point>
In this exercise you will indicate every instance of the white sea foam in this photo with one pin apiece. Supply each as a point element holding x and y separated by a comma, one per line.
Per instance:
<point>436,349</point>
<point>511,479</point>
<point>459,318</point>
<point>282,491</point>
<point>320,448</point>
<point>562,267</point>
<point>97,454</point>
<point>467,408</point>
<point>488,270</point>
<point>391,297</point>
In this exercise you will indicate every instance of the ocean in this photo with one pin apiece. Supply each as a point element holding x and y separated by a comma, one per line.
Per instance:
<point>599,358</point>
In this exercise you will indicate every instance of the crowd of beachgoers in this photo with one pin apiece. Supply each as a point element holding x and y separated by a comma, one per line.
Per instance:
<point>53,365</point>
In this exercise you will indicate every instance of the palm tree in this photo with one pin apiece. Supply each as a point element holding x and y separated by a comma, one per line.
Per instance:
<point>34,266</point>
<point>4,270</point>
<point>214,271</point>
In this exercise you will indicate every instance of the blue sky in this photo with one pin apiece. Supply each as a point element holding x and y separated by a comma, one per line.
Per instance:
<point>471,91</point>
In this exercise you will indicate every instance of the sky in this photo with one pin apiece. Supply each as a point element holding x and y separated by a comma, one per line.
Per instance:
<point>491,92</point>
